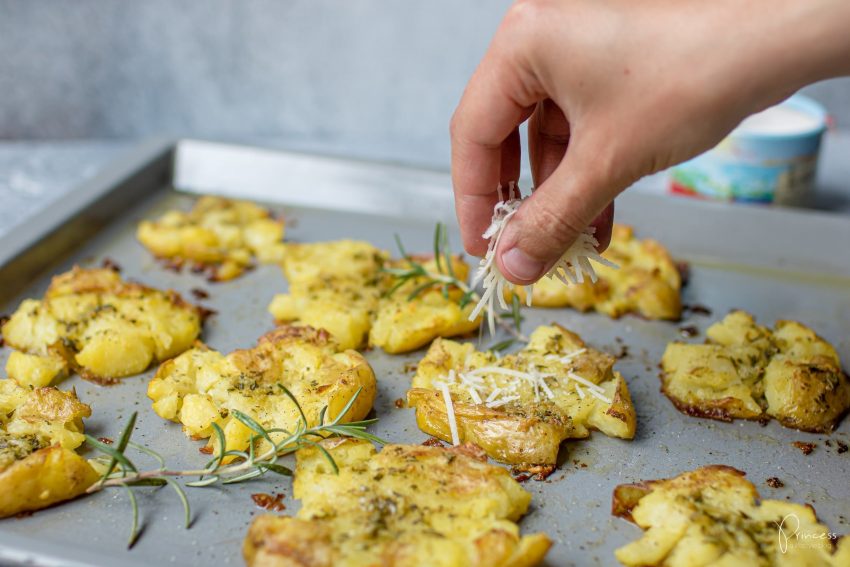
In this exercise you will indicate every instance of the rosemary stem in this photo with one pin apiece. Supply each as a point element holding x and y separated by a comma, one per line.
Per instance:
<point>121,472</point>
<point>227,470</point>
<point>511,331</point>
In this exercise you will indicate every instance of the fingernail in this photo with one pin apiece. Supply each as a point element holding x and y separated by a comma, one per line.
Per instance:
<point>521,266</point>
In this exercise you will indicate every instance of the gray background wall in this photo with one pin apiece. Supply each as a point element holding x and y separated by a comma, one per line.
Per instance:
<point>346,74</point>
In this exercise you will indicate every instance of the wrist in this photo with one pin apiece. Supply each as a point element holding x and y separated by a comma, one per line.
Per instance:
<point>789,44</point>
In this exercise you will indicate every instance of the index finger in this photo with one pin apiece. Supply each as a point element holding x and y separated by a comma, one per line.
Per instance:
<point>490,110</point>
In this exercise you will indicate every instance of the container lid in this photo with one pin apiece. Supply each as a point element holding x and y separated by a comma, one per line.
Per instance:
<point>797,116</point>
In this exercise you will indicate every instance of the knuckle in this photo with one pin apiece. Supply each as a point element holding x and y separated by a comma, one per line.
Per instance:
<point>523,13</point>
<point>453,126</point>
<point>521,21</point>
<point>471,249</point>
<point>474,246</point>
<point>517,45</point>
<point>556,224</point>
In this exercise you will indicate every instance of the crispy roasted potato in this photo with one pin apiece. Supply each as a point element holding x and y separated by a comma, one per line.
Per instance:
<point>333,286</point>
<point>747,371</point>
<point>339,286</point>
<point>714,516</point>
<point>405,506</point>
<point>219,234</point>
<point>202,386</point>
<point>342,308</point>
<point>647,282</point>
<point>93,322</point>
<point>403,324</point>
<point>39,430</point>
<point>519,408</point>
<point>351,260</point>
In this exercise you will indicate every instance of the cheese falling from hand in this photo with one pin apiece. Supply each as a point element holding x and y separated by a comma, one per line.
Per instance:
<point>570,268</point>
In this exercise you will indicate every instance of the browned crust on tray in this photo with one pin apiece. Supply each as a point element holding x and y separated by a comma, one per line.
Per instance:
<point>721,414</point>
<point>626,496</point>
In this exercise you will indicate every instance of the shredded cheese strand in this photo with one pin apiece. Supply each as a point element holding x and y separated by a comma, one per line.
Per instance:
<point>570,268</point>
<point>596,394</point>
<point>500,403</point>
<point>474,395</point>
<point>580,392</point>
<point>585,382</point>
<point>450,412</point>
<point>468,382</point>
<point>569,357</point>
<point>546,389</point>
<point>504,372</point>
<point>493,395</point>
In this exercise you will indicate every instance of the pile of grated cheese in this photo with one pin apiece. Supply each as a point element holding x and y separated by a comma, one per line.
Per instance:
<point>483,389</point>
<point>570,268</point>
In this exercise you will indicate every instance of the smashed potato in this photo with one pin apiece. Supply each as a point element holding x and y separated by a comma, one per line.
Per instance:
<point>202,386</point>
<point>403,324</point>
<point>333,286</point>
<point>714,516</point>
<point>221,235</point>
<point>747,371</point>
<point>646,283</point>
<point>407,505</point>
<point>352,260</point>
<point>39,430</point>
<point>92,322</point>
<point>519,408</point>
<point>340,286</point>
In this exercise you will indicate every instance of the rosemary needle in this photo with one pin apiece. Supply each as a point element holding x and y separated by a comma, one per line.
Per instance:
<point>420,280</point>
<point>120,471</point>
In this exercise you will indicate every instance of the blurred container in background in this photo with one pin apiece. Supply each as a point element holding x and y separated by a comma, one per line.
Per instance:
<point>771,157</point>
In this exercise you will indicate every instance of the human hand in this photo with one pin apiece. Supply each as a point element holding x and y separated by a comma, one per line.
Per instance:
<point>615,90</point>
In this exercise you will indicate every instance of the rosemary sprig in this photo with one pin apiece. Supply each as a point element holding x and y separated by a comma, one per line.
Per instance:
<point>444,278</point>
<point>121,472</point>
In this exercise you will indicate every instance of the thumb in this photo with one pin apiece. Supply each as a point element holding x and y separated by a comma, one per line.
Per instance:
<point>572,198</point>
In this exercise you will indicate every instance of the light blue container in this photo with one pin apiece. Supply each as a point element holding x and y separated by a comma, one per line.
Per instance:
<point>758,167</point>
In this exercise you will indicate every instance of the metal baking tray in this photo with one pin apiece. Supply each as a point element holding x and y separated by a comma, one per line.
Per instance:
<point>774,263</point>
